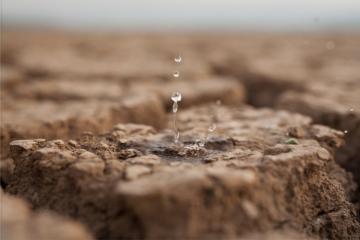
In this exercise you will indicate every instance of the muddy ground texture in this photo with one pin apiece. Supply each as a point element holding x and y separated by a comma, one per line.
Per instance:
<point>87,147</point>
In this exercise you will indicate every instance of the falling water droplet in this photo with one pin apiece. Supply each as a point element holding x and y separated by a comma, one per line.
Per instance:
<point>345,131</point>
<point>175,107</point>
<point>212,127</point>
<point>177,59</point>
<point>351,109</point>
<point>176,97</point>
<point>176,74</point>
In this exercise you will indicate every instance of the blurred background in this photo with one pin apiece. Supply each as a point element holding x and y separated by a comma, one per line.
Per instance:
<point>207,15</point>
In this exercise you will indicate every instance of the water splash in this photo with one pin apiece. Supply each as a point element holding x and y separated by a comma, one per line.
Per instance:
<point>212,127</point>
<point>201,143</point>
<point>175,107</point>
<point>176,137</point>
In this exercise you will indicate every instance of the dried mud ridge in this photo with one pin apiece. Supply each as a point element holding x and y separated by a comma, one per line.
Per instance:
<point>263,174</point>
<point>248,178</point>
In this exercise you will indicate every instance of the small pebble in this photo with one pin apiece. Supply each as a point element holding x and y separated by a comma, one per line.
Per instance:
<point>292,141</point>
<point>73,143</point>
<point>323,154</point>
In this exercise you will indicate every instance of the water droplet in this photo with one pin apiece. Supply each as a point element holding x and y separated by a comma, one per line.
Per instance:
<point>212,127</point>
<point>176,74</point>
<point>330,45</point>
<point>351,109</point>
<point>345,131</point>
<point>177,59</point>
<point>176,97</point>
<point>175,107</point>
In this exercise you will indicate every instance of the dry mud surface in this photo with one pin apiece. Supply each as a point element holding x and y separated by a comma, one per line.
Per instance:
<point>18,222</point>
<point>86,134</point>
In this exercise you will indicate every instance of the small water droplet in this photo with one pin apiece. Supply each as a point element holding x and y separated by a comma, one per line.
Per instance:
<point>177,59</point>
<point>345,131</point>
<point>351,109</point>
<point>212,127</point>
<point>330,45</point>
<point>176,97</point>
<point>175,107</point>
<point>176,74</point>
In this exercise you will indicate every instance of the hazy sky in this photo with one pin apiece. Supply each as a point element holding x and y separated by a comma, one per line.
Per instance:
<point>184,14</point>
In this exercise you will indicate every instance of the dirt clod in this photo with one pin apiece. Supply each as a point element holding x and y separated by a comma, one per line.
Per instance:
<point>194,193</point>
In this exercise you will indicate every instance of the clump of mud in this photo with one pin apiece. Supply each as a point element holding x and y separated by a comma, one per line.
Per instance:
<point>247,178</point>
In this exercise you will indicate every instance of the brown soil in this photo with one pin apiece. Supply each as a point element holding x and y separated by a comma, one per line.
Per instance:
<point>118,182</point>
<point>310,79</point>
<point>262,174</point>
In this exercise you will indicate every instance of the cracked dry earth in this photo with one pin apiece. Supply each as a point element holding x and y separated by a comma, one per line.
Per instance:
<point>87,153</point>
